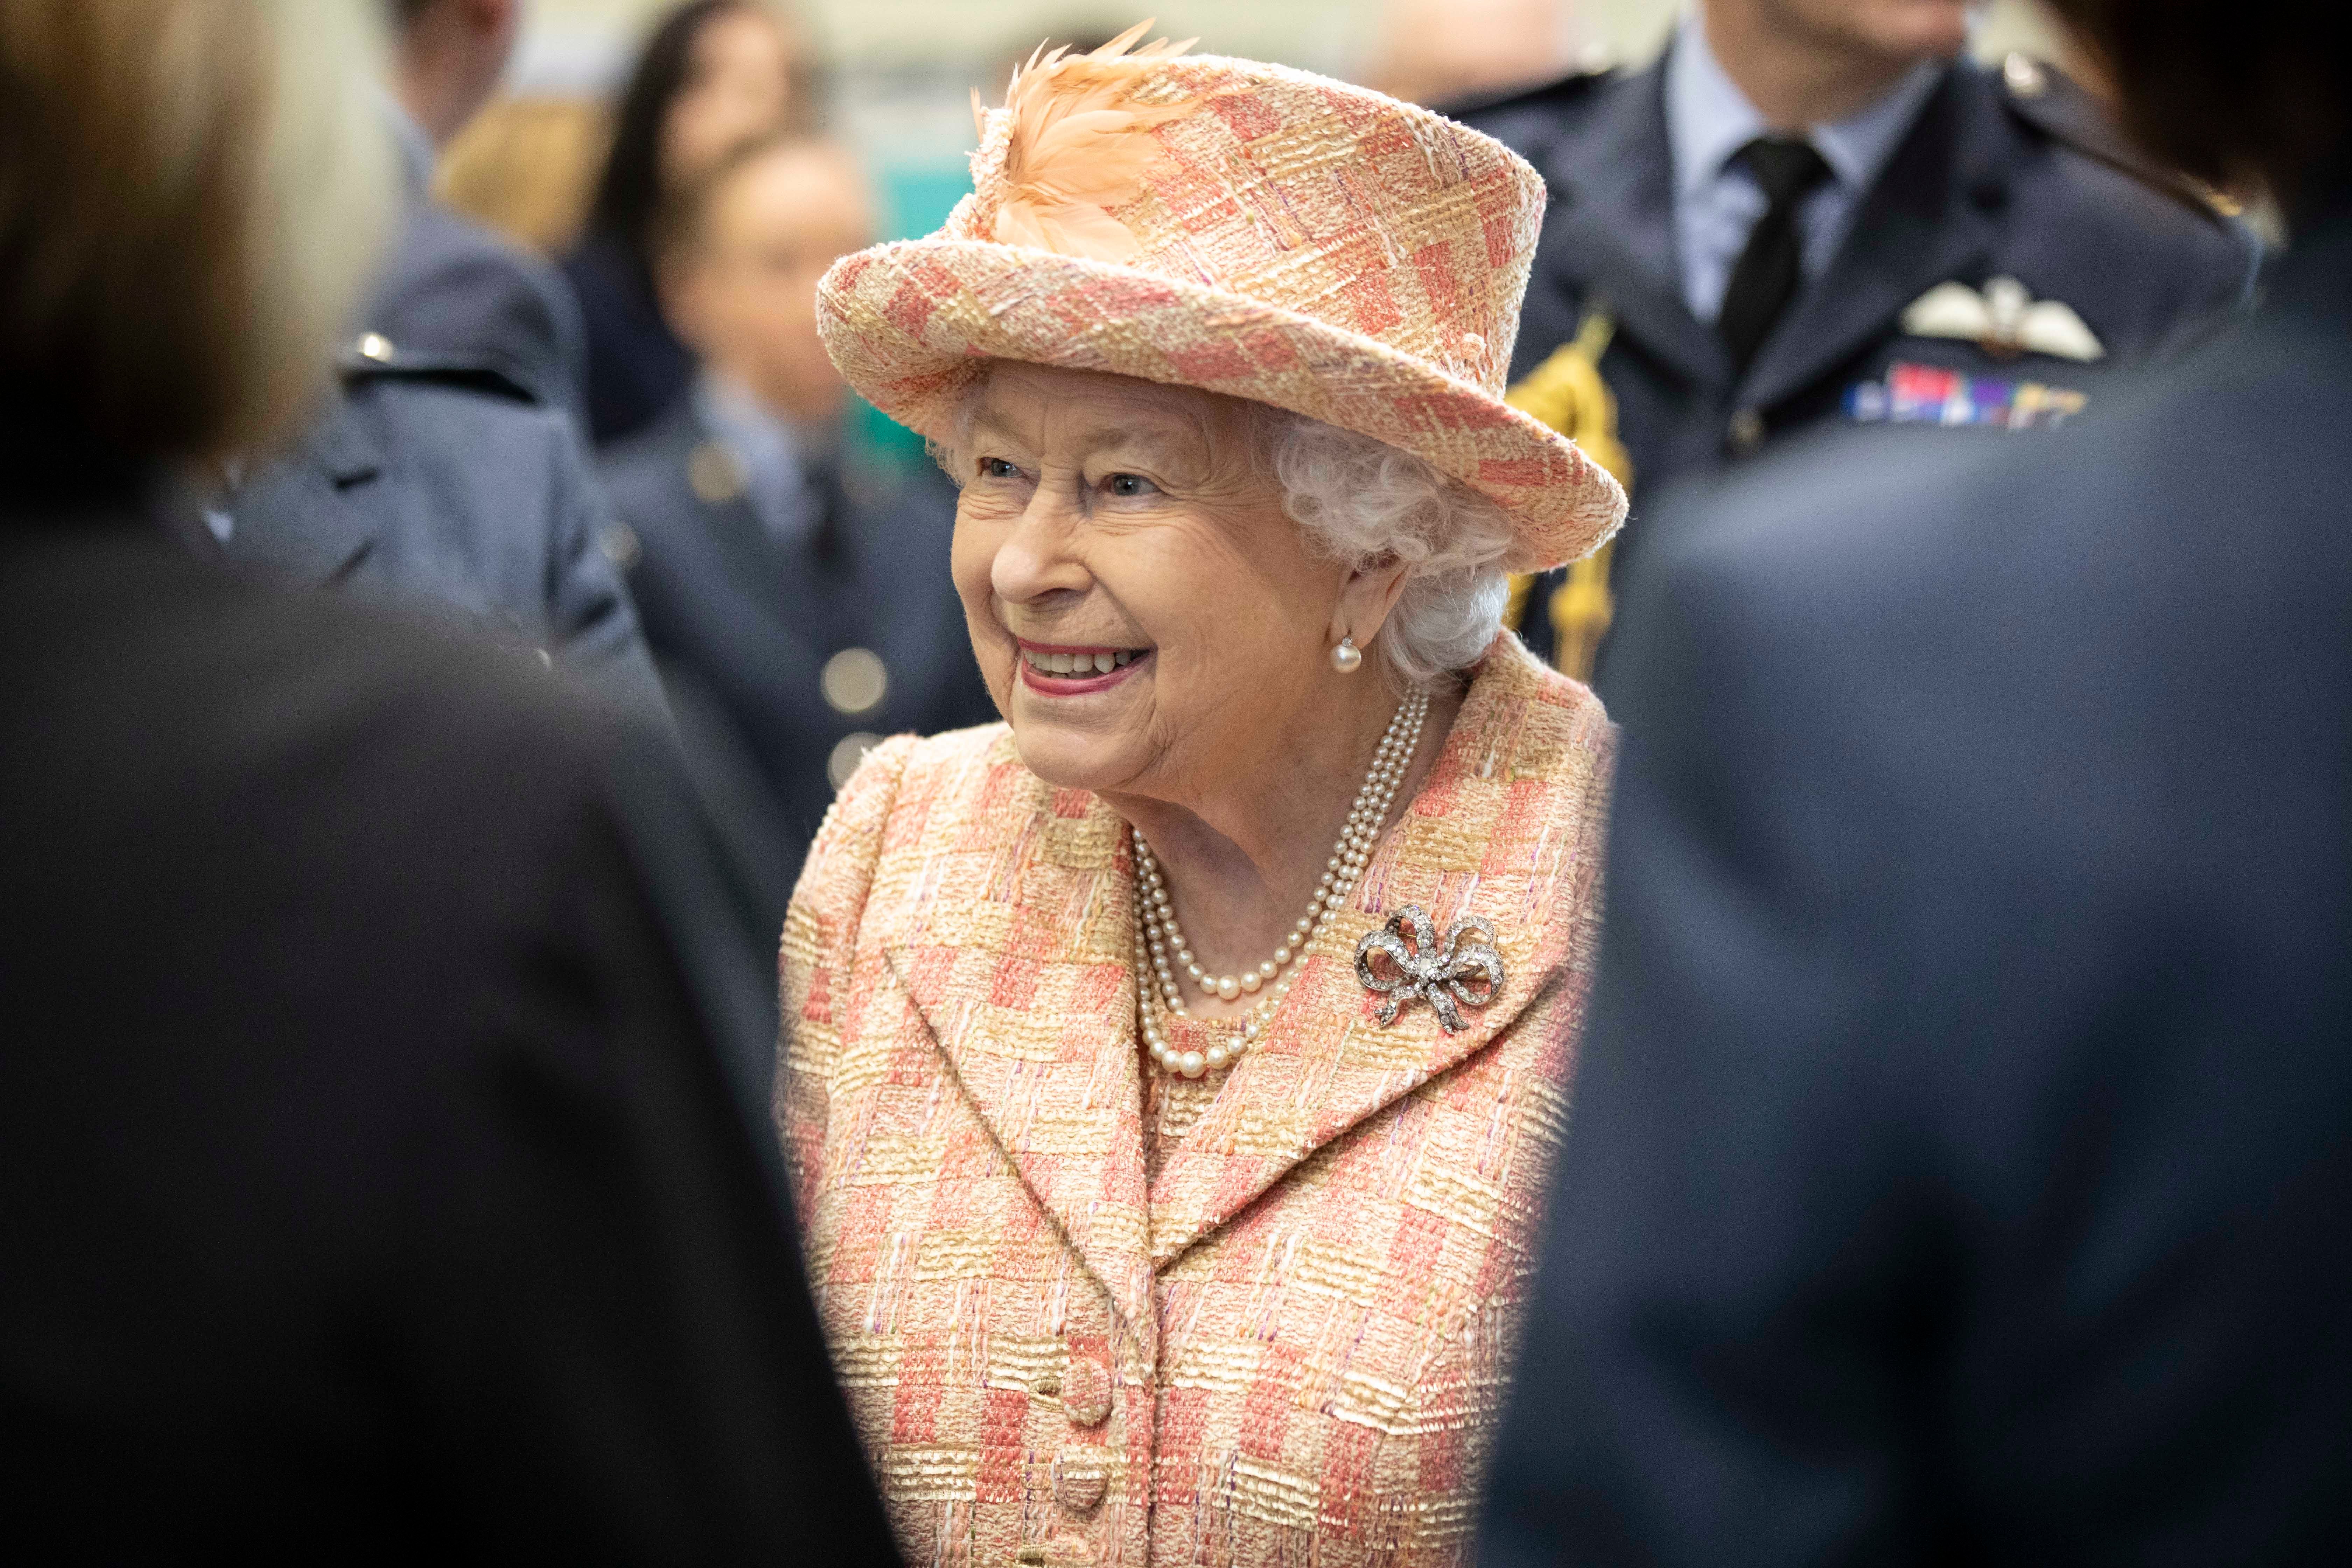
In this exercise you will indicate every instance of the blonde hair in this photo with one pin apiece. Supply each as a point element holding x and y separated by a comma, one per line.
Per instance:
<point>192,193</point>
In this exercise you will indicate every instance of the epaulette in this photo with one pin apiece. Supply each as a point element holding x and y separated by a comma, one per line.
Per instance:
<point>2059,107</point>
<point>1553,94</point>
<point>372,356</point>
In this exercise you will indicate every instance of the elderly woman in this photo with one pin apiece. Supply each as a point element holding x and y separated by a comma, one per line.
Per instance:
<point>1170,1072</point>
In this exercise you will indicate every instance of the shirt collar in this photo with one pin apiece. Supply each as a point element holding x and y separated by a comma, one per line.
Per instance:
<point>1709,119</point>
<point>1857,147</point>
<point>757,437</point>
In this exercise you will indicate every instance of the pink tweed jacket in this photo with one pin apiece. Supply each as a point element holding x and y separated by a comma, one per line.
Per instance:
<point>1289,1343</point>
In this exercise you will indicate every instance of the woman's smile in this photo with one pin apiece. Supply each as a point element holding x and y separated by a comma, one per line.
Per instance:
<point>1074,669</point>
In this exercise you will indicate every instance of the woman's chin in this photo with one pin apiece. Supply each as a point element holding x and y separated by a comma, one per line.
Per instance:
<point>1069,755</point>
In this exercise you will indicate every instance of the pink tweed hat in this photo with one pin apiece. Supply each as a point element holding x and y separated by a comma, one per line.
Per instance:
<point>1243,228</point>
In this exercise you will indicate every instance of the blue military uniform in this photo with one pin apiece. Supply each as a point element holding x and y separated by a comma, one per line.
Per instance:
<point>795,621</point>
<point>435,483</point>
<point>2007,192</point>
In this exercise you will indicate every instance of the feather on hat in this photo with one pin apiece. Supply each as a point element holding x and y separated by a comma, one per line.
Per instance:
<point>1247,229</point>
<point>1079,146</point>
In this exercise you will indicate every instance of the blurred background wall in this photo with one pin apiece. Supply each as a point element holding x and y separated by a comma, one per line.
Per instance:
<point>899,74</point>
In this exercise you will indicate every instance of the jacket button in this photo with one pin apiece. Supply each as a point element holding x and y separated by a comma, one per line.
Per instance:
<point>1086,1392</point>
<point>1745,432</point>
<point>713,474</point>
<point>1079,1486</point>
<point>621,545</point>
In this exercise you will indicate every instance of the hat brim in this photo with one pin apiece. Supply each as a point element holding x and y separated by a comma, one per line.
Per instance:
<point>912,323</point>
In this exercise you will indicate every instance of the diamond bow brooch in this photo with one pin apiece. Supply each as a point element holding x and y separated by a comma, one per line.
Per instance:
<point>1463,971</point>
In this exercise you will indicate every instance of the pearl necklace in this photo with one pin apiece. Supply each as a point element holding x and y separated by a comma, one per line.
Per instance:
<point>1160,942</point>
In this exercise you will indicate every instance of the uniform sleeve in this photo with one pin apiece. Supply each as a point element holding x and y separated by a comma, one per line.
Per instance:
<point>593,620</point>
<point>815,968</point>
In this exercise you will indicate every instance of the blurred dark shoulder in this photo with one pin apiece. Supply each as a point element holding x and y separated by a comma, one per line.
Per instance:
<point>2050,105</point>
<point>149,683</point>
<point>1539,120</point>
<point>452,286</point>
<point>2157,237</point>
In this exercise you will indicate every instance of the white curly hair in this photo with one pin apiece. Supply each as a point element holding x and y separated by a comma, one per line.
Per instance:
<point>1363,503</point>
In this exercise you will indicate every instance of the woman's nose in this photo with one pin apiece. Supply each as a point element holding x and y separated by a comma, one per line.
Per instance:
<point>1037,557</point>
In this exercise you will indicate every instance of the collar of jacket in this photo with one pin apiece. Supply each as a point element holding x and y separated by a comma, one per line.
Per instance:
<point>296,518</point>
<point>1928,217</point>
<point>1021,962</point>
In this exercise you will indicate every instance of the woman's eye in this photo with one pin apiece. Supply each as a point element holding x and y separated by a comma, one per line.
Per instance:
<point>997,469</point>
<point>1129,484</point>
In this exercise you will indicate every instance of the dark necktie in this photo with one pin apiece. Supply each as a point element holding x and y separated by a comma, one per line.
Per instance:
<point>1772,266</point>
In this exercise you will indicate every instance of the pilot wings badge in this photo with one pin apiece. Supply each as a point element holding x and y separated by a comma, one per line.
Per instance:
<point>2005,320</point>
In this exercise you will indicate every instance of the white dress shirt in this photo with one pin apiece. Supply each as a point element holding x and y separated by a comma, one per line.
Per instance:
<point>1718,201</point>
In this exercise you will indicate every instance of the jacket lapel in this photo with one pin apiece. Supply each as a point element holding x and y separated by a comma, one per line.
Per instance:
<point>294,519</point>
<point>1015,943</point>
<point>1923,223</point>
<point>1503,828</point>
<point>1613,234</point>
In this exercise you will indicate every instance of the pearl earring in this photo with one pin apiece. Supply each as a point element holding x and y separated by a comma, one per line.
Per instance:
<point>1346,657</point>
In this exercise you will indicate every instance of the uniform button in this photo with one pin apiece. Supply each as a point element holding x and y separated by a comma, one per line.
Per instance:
<point>1746,433</point>
<point>846,754</point>
<point>621,545</point>
<point>2024,76</point>
<point>376,346</point>
<point>713,474</point>
<point>1079,1487</point>
<point>854,680</point>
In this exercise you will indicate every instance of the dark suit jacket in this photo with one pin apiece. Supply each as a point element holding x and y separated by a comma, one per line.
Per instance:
<point>416,488</point>
<point>1990,182</point>
<point>1961,1166</point>
<point>369,1187</point>
<point>752,623</point>
<point>452,287</point>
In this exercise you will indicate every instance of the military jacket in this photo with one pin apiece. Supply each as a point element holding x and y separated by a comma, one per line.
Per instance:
<point>792,657</point>
<point>436,483</point>
<point>2008,202</point>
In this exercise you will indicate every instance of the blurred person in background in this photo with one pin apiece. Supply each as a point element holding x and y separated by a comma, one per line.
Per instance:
<point>1449,52</point>
<point>452,287</point>
<point>1962,1164</point>
<point>447,475</point>
<point>1817,212</point>
<point>375,1185</point>
<point>714,75</point>
<point>797,598</point>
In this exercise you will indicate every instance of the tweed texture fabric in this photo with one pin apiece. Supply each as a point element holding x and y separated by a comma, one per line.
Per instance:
<point>1283,1340</point>
<point>1286,238</point>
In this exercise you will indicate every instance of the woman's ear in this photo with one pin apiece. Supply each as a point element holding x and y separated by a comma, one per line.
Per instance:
<point>1366,599</point>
